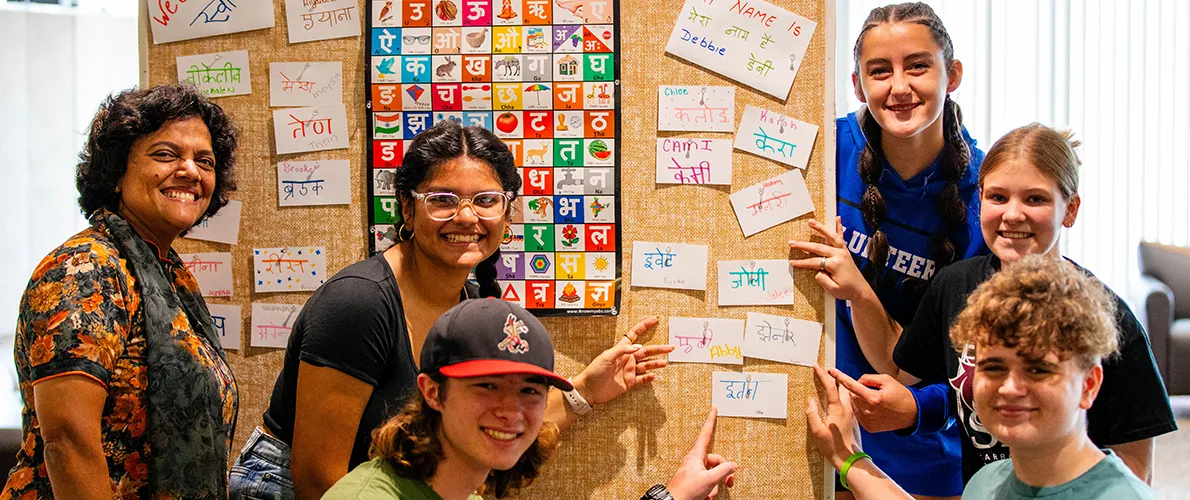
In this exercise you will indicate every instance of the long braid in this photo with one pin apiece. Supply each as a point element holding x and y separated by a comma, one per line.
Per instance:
<point>956,157</point>
<point>871,167</point>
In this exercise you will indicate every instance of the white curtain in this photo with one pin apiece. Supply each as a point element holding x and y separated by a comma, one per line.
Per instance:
<point>59,64</point>
<point>1113,71</point>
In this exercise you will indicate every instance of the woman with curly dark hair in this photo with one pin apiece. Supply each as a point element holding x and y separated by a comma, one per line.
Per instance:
<point>125,386</point>
<point>350,363</point>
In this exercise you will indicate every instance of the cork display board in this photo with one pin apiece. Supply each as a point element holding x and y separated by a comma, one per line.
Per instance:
<point>623,447</point>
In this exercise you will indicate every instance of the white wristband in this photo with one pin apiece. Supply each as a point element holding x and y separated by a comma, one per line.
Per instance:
<point>576,401</point>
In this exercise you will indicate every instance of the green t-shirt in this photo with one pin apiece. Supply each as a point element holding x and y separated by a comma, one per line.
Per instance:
<point>1109,479</point>
<point>376,480</point>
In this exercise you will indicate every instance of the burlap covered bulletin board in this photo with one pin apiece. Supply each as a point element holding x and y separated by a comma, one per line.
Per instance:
<point>622,448</point>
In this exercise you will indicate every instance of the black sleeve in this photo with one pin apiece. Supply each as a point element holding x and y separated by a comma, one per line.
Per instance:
<point>348,327</point>
<point>1132,404</point>
<point>919,350</point>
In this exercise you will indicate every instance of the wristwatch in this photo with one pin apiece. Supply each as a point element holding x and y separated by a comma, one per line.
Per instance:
<point>657,492</point>
<point>576,402</point>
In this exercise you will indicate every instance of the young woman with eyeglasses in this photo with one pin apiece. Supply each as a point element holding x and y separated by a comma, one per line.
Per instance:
<point>350,363</point>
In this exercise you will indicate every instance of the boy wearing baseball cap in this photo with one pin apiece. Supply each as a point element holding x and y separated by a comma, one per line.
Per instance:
<point>474,427</point>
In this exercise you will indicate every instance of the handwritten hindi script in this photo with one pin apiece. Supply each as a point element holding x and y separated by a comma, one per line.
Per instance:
<point>272,323</point>
<point>669,265</point>
<point>227,324</point>
<point>753,42</point>
<point>320,182</point>
<point>766,204</point>
<point>212,271</point>
<point>777,338</point>
<point>776,136</point>
<point>755,282</point>
<point>223,227</point>
<point>218,74</point>
<point>292,269</point>
<point>693,161</point>
<point>750,394</point>
<point>311,20</point>
<point>706,340</point>
<point>695,108</point>
<point>310,129</point>
<point>305,83</point>
<point>173,20</point>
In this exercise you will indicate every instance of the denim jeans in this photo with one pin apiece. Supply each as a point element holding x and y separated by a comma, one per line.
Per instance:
<point>262,470</point>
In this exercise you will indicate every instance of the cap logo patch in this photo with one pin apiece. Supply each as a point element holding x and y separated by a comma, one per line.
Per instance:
<point>514,343</point>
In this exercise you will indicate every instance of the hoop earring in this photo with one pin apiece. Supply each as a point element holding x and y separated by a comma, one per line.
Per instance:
<point>401,236</point>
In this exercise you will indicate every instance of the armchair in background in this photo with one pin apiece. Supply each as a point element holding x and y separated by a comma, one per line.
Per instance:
<point>1164,307</point>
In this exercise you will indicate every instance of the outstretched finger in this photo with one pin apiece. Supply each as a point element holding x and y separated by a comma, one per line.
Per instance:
<point>835,238</point>
<point>828,386</point>
<point>820,249</point>
<point>650,365</point>
<point>868,395</point>
<point>652,350</point>
<point>640,328</point>
<point>704,436</point>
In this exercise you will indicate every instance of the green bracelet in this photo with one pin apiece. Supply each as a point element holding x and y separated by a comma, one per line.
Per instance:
<point>847,466</point>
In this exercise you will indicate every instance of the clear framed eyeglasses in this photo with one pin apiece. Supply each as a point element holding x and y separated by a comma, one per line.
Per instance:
<point>488,205</point>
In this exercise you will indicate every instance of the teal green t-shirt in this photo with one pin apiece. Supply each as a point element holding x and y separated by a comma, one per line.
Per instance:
<point>376,480</point>
<point>1109,479</point>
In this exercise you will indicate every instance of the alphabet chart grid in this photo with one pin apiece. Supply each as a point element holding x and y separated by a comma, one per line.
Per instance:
<point>544,76</point>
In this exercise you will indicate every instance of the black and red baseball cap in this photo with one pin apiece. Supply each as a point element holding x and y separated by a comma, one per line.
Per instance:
<point>484,337</point>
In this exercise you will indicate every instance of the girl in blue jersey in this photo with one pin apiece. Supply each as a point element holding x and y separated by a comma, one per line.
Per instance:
<point>908,205</point>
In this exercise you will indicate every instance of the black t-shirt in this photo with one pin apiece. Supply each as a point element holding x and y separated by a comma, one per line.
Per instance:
<point>1132,404</point>
<point>354,323</point>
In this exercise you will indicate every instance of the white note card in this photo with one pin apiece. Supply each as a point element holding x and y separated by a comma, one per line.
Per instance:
<point>750,394</point>
<point>695,108</point>
<point>310,129</point>
<point>776,136</point>
<point>223,227</point>
<point>754,42</point>
<point>310,20</point>
<point>768,203</point>
<point>318,182</point>
<point>271,324</point>
<point>173,20</point>
<point>288,269</point>
<point>693,161</point>
<point>212,271</point>
<point>305,83</point>
<point>755,283</point>
<point>669,265</point>
<point>227,324</point>
<point>706,340</point>
<point>777,338</point>
<point>218,74</point>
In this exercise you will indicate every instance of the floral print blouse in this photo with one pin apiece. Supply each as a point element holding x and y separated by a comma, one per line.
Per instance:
<point>81,315</point>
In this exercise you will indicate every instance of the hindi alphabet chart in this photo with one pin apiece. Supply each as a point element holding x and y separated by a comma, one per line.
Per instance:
<point>543,75</point>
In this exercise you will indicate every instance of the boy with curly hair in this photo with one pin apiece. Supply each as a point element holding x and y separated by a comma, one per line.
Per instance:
<point>1038,332</point>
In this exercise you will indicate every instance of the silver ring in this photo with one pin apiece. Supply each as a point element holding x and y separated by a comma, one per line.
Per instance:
<point>822,265</point>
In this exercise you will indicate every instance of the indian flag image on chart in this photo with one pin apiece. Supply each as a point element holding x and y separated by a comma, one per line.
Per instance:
<point>543,77</point>
<point>386,125</point>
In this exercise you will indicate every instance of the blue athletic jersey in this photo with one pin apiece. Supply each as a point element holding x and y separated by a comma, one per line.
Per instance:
<point>926,463</point>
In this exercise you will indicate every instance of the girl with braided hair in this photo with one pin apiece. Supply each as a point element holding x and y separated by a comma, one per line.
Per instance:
<point>908,205</point>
